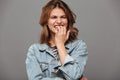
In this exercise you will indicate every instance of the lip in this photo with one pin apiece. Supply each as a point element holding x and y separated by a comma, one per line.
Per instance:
<point>57,26</point>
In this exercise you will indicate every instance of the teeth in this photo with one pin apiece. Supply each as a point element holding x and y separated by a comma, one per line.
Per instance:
<point>58,26</point>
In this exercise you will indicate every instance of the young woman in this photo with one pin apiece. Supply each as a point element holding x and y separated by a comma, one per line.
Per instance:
<point>60,55</point>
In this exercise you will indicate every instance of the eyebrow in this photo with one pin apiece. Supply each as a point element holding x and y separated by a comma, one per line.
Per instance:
<point>56,15</point>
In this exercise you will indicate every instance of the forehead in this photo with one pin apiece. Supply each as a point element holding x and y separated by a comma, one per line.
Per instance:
<point>57,12</point>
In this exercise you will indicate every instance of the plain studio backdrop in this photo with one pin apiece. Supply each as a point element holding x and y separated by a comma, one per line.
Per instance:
<point>97,20</point>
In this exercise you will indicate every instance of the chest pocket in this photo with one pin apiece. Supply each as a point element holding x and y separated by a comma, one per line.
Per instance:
<point>44,66</point>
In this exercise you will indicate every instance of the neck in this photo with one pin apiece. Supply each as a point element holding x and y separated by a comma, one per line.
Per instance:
<point>52,40</point>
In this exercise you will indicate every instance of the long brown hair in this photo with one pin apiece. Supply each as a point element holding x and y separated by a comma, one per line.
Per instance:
<point>46,10</point>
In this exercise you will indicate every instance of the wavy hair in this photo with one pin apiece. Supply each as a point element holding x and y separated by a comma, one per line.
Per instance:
<point>46,10</point>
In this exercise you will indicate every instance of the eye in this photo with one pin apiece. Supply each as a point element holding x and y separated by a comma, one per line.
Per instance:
<point>64,17</point>
<point>53,17</point>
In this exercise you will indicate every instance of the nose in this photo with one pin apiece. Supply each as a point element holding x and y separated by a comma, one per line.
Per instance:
<point>59,21</point>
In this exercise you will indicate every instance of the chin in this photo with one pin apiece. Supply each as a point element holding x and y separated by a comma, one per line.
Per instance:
<point>53,32</point>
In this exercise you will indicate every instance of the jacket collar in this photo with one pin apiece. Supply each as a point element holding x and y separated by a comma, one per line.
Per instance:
<point>43,47</point>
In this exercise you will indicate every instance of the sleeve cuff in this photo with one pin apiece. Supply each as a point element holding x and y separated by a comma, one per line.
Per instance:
<point>68,59</point>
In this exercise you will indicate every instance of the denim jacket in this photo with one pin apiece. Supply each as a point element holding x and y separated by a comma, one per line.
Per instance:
<point>42,64</point>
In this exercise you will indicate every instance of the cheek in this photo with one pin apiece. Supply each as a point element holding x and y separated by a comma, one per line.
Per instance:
<point>50,23</point>
<point>66,22</point>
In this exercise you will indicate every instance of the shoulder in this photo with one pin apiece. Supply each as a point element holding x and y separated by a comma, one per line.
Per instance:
<point>77,45</point>
<point>34,46</point>
<point>78,42</point>
<point>81,44</point>
<point>38,46</point>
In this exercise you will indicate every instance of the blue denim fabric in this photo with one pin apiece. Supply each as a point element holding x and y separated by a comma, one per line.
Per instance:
<point>41,64</point>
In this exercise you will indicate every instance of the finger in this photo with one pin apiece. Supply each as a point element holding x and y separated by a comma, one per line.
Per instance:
<point>60,29</point>
<point>68,33</point>
<point>55,29</point>
<point>64,29</point>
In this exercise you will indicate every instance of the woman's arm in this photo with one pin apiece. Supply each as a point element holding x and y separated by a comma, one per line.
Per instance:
<point>61,36</point>
<point>74,64</point>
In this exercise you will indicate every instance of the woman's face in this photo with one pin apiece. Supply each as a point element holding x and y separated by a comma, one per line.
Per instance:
<point>57,18</point>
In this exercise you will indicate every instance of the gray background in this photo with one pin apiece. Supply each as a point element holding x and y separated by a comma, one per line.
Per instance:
<point>97,20</point>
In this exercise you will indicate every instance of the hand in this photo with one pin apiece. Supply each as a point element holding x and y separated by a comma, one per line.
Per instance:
<point>83,78</point>
<point>61,35</point>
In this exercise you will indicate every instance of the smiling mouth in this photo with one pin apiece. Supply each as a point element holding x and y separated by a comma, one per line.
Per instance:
<point>57,26</point>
